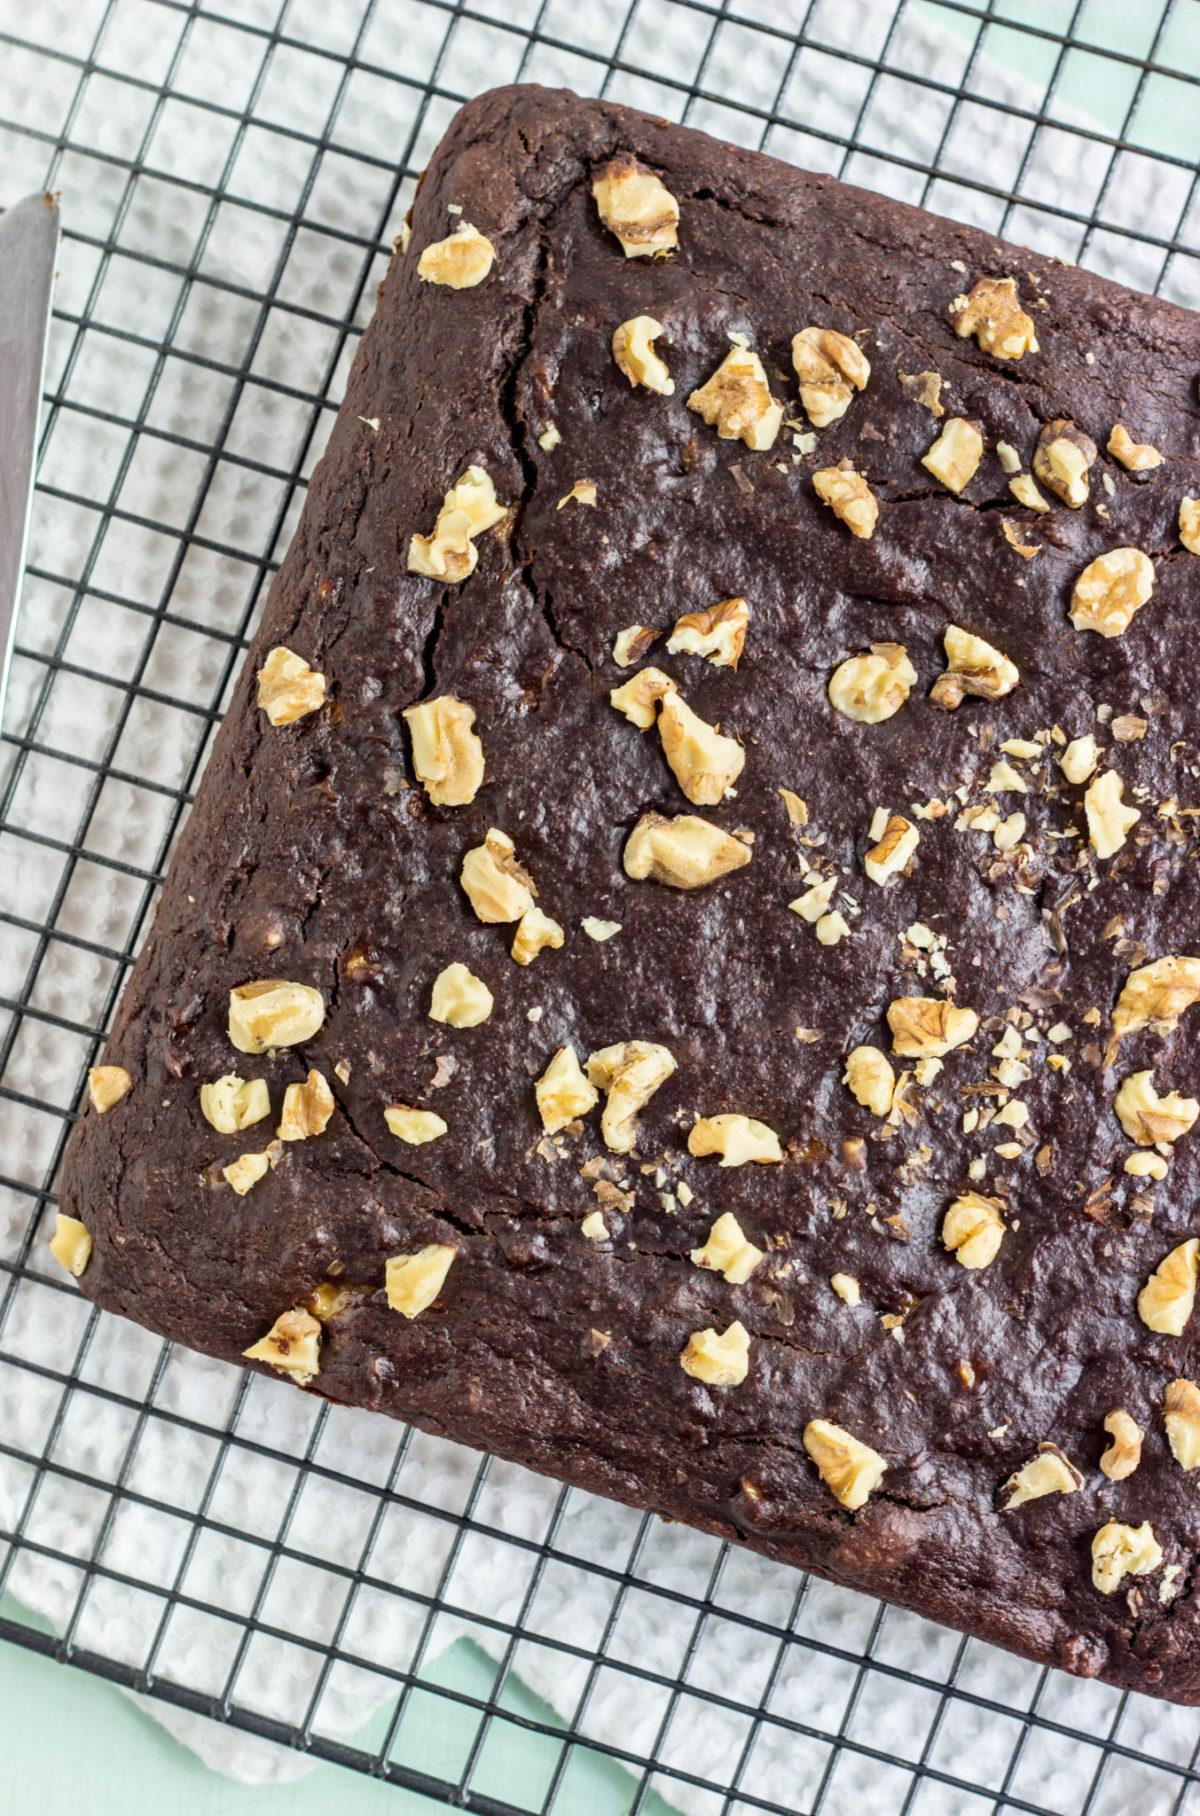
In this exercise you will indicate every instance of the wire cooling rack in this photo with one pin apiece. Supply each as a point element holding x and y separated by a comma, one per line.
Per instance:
<point>232,179</point>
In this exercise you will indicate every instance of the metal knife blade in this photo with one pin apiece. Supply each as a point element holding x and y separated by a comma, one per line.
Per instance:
<point>28,244</point>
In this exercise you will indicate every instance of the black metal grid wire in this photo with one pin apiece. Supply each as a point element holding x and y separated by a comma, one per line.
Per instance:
<point>1031,1749</point>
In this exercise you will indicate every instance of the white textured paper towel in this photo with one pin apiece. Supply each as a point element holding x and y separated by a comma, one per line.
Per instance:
<point>110,375</point>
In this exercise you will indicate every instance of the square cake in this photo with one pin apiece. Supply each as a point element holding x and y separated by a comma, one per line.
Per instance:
<point>681,968</point>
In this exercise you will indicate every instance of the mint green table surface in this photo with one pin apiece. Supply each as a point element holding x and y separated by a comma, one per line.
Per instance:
<point>72,1741</point>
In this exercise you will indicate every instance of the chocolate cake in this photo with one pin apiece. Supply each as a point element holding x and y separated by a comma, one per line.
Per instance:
<point>680,971</point>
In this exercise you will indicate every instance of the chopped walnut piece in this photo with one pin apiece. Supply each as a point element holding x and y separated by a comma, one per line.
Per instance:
<point>292,1345</point>
<point>1110,590</point>
<point>975,667</point>
<point>992,312</point>
<point>1024,489</point>
<point>870,688</point>
<point>1181,1416</point>
<point>955,456</point>
<point>974,1229</point>
<point>633,350</point>
<point>718,633</point>
<point>816,899</point>
<point>563,1092</point>
<point>638,207</point>
<point>1146,1166</point>
<point>847,1288</point>
<point>1119,1551</point>
<point>1012,535</point>
<point>1156,995</point>
<point>447,754</point>
<point>413,1282</point>
<point>898,844</point>
<point>549,438</point>
<point>832,927</point>
<point>288,688</point>
<point>244,1173</point>
<point>1049,1472</point>
<point>870,1078</point>
<point>629,1073</point>
<point>306,1109</point>
<point>495,884</point>
<point>727,1251</point>
<point>638,697</point>
<point>272,1013</point>
<point>462,260</point>
<point>1008,457</point>
<point>705,764</point>
<point>459,998</point>
<point>1127,728</point>
<point>594,1227</point>
<point>1138,456</point>
<point>737,401</point>
<point>849,497</point>
<point>1189,524</point>
<point>469,508</point>
<point>831,368</point>
<point>71,1243</point>
<point>685,852</point>
<point>797,810</point>
<point>1124,1451</point>
<point>1109,820</point>
<point>1148,1118</point>
<point>535,931</point>
<point>924,388</point>
<point>1165,1302</point>
<point>926,1027</point>
<point>1080,758</point>
<point>416,1127</point>
<point>232,1103</point>
<point>737,1139</point>
<point>107,1085</point>
<point>720,1361</point>
<point>1062,459</point>
<point>850,1469</point>
<point>582,492</point>
<point>631,644</point>
<point>599,930</point>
